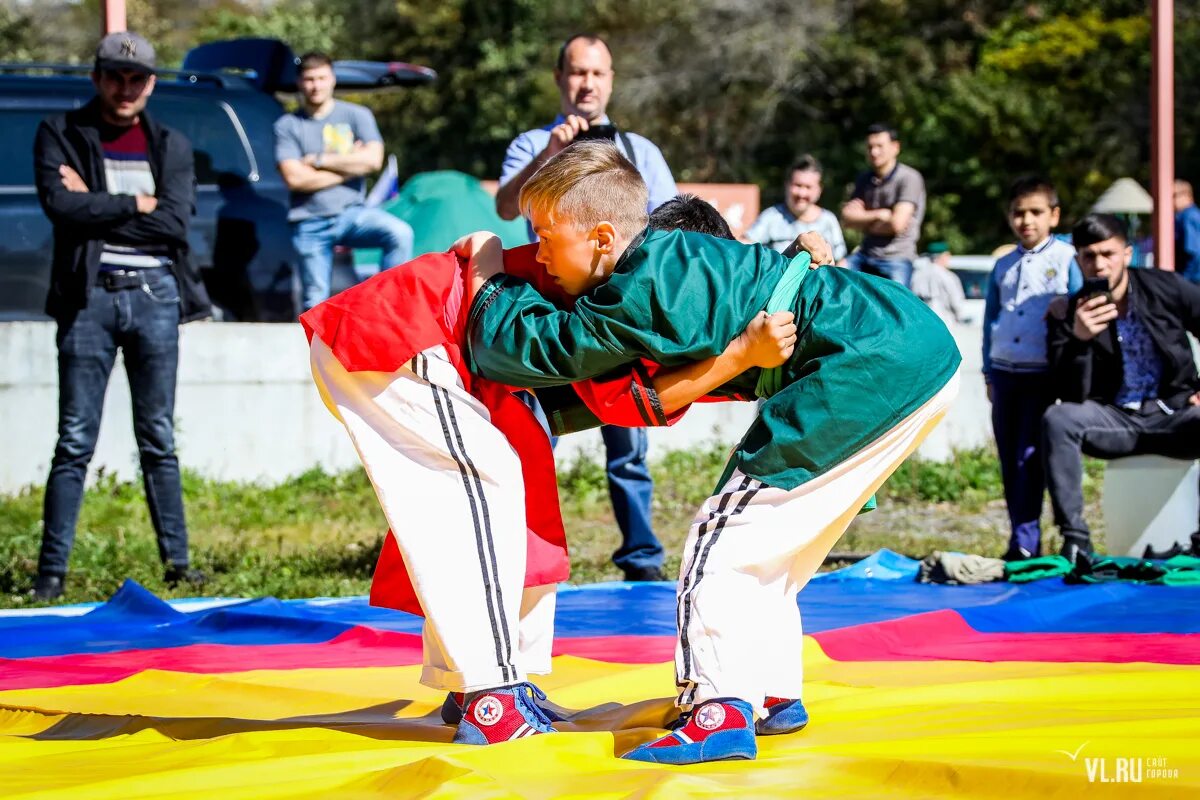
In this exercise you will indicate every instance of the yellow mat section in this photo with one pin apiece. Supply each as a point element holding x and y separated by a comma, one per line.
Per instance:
<point>879,729</point>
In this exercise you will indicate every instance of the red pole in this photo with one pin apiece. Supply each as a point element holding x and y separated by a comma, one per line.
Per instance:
<point>1162,131</point>
<point>112,17</point>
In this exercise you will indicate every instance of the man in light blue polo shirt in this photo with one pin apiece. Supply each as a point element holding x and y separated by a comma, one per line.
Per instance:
<point>584,75</point>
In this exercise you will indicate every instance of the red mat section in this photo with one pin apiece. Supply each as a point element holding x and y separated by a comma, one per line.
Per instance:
<point>946,636</point>
<point>933,636</point>
<point>618,649</point>
<point>357,647</point>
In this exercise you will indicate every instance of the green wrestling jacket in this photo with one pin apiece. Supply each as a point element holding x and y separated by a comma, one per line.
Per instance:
<point>868,353</point>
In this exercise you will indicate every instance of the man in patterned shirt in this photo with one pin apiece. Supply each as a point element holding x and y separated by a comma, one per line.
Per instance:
<point>1123,368</point>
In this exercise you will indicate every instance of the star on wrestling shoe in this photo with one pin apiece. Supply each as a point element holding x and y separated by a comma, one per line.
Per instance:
<point>452,707</point>
<point>783,716</point>
<point>718,730</point>
<point>501,715</point>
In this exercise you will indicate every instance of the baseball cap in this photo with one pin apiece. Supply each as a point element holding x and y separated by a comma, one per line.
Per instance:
<point>125,50</point>
<point>936,248</point>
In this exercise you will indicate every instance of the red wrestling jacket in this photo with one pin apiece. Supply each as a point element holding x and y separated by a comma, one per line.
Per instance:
<point>381,324</point>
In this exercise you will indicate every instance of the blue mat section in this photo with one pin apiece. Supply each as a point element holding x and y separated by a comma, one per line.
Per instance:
<point>136,619</point>
<point>877,589</point>
<point>1100,608</point>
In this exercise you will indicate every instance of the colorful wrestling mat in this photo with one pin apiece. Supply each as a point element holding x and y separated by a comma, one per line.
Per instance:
<point>1038,690</point>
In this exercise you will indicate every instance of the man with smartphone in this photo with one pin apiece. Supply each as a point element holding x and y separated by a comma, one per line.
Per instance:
<point>584,75</point>
<point>1123,369</point>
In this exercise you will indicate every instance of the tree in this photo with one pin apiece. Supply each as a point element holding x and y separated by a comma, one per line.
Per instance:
<point>734,90</point>
<point>304,24</point>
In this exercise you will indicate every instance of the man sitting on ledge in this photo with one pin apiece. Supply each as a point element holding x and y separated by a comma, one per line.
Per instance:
<point>1124,371</point>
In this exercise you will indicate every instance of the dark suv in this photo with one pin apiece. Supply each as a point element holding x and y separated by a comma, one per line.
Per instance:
<point>223,100</point>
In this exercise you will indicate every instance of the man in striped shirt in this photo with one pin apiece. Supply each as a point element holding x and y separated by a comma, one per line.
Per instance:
<point>119,189</point>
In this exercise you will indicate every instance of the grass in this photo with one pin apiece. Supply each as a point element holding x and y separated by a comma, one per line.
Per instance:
<point>319,534</point>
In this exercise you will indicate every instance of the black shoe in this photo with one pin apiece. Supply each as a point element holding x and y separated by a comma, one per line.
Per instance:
<point>1162,555</point>
<point>47,588</point>
<point>640,574</point>
<point>1077,547</point>
<point>176,575</point>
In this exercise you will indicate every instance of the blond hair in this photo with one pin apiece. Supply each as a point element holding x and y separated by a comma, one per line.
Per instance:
<point>588,183</point>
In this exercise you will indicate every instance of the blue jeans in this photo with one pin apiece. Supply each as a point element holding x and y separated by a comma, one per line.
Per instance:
<point>358,227</point>
<point>898,270</point>
<point>144,323</point>
<point>630,488</point>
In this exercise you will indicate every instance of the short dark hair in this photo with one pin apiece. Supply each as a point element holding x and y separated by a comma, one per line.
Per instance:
<point>591,38</point>
<point>1032,184</point>
<point>805,163</point>
<point>314,59</point>
<point>1098,228</point>
<point>687,212</point>
<point>883,127</point>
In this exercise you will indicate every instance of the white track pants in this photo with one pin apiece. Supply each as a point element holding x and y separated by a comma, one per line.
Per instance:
<point>451,488</point>
<point>752,548</point>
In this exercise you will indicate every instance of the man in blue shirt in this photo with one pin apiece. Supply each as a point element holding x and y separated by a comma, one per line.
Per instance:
<point>584,75</point>
<point>324,152</point>
<point>1187,232</point>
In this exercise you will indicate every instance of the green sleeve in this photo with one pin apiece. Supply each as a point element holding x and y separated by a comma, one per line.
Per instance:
<point>519,338</point>
<point>674,298</point>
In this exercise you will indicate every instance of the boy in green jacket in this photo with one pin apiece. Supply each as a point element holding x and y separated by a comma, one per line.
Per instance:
<point>872,373</point>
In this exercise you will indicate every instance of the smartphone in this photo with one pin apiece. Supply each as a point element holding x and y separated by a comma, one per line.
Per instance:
<point>1093,287</point>
<point>608,132</point>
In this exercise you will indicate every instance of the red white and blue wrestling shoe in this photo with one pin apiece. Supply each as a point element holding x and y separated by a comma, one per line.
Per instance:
<point>501,715</point>
<point>783,716</point>
<point>452,706</point>
<point>718,730</point>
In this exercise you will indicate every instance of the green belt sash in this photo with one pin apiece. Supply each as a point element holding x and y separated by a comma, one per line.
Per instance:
<point>770,381</point>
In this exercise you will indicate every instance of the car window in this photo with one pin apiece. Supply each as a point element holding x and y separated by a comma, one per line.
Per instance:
<point>18,127</point>
<point>206,123</point>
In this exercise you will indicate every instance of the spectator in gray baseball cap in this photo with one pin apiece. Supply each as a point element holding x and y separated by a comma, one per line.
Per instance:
<point>118,188</point>
<point>125,50</point>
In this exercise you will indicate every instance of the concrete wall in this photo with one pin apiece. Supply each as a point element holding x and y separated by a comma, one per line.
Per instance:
<point>246,409</point>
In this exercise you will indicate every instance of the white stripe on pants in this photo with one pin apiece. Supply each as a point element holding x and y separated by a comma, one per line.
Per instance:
<point>451,488</point>
<point>752,548</point>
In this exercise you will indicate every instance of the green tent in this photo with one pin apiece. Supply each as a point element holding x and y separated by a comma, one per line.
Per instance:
<point>441,207</point>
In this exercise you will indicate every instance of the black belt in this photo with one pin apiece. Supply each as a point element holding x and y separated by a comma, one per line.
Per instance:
<point>116,280</point>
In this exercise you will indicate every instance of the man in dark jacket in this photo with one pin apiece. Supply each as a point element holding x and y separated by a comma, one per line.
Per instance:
<point>1124,371</point>
<point>119,189</point>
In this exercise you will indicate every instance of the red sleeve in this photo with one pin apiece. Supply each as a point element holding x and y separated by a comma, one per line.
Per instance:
<point>627,399</point>
<point>521,262</point>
